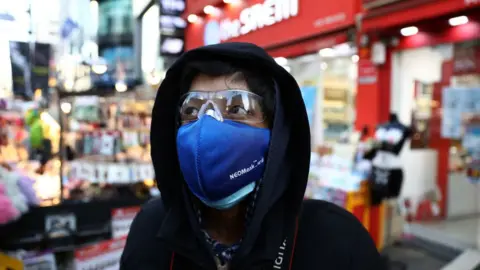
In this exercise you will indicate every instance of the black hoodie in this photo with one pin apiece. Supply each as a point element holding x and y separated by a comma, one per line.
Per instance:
<point>285,232</point>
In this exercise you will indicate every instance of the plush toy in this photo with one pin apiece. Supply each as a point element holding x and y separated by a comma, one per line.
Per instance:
<point>33,121</point>
<point>25,184</point>
<point>13,191</point>
<point>8,212</point>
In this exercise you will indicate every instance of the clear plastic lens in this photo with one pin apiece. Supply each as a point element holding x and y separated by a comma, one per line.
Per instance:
<point>236,105</point>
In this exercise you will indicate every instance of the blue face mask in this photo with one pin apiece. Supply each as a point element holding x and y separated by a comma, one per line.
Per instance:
<point>221,161</point>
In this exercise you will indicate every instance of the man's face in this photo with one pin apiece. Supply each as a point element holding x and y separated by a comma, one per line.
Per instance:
<point>205,83</point>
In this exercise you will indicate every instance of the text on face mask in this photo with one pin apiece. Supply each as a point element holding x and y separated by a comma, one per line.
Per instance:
<point>246,170</point>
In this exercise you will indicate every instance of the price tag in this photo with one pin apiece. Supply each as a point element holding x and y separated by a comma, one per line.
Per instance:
<point>118,173</point>
<point>88,172</point>
<point>60,225</point>
<point>102,173</point>
<point>122,219</point>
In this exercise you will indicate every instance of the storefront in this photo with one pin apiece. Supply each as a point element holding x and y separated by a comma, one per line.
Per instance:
<point>424,61</point>
<point>314,44</point>
<point>328,82</point>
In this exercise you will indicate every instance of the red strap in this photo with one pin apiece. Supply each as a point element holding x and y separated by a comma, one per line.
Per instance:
<point>171,260</point>
<point>294,244</point>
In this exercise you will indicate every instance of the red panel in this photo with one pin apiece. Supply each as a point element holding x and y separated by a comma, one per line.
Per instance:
<point>375,224</point>
<point>459,33</point>
<point>425,11</point>
<point>309,46</point>
<point>436,141</point>
<point>312,19</point>
<point>373,99</point>
<point>359,212</point>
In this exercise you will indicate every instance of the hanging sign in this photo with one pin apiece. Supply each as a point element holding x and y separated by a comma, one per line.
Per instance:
<point>172,7</point>
<point>172,27</point>
<point>367,72</point>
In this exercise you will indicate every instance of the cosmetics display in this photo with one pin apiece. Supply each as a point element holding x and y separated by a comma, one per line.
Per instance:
<point>107,149</point>
<point>337,170</point>
<point>29,175</point>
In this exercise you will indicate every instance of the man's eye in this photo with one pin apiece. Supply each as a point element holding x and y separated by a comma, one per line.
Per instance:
<point>237,109</point>
<point>191,111</point>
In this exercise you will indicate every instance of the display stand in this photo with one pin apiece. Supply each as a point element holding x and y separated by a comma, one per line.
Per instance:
<point>107,148</point>
<point>76,221</point>
<point>336,176</point>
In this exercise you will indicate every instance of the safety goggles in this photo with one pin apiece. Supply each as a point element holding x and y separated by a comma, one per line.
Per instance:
<point>236,105</point>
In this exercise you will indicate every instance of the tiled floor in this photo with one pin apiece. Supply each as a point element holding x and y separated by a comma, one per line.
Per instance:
<point>464,233</point>
<point>470,259</point>
<point>412,259</point>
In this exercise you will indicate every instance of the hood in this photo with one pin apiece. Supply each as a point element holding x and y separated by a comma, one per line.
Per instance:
<point>288,159</point>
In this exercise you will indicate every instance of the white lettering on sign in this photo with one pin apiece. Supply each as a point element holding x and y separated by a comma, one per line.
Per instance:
<point>335,18</point>
<point>258,16</point>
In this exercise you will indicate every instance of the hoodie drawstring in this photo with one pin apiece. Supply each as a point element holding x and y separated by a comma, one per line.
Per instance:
<point>291,255</point>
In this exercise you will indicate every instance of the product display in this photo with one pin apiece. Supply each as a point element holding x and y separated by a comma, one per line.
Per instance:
<point>26,167</point>
<point>107,149</point>
<point>339,97</point>
<point>458,102</point>
<point>336,172</point>
<point>16,194</point>
<point>471,143</point>
<point>387,174</point>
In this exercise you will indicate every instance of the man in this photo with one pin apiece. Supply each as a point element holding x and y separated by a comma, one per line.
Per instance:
<point>231,151</point>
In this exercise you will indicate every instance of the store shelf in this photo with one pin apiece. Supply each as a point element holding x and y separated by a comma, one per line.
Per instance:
<point>93,220</point>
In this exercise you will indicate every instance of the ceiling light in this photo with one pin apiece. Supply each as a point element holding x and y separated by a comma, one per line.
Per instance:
<point>324,65</point>
<point>355,58</point>
<point>409,31</point>
<point>121,87</point>
<point>230,1</point>
<point>69,84</point>
<point>66,107</point>
<point>99,68</point>
<point>327,52</point>
<point>192,18</point>
<point>210,10</point>
<point>282,61</point>
<point>455,21</point>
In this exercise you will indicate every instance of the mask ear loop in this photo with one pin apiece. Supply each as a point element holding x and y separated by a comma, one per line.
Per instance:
<point>215,112</point>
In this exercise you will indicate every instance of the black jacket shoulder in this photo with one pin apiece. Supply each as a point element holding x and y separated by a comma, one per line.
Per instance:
<point>144,250</point>
<point>328,237</point>
<point>331,237</point>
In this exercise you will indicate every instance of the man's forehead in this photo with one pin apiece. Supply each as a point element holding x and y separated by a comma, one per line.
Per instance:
<point>204,82</point>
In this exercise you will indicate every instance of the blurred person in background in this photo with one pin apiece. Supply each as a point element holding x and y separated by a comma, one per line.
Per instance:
<point>231,151</point>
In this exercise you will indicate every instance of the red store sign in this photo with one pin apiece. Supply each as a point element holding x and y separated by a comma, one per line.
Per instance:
<point>269,23</point>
